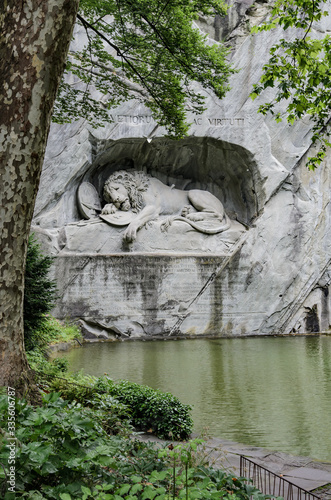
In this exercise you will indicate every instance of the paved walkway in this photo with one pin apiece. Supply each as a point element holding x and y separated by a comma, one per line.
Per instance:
<point>304,472</point>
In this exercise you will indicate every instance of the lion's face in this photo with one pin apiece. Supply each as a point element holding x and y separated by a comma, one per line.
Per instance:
<point>117,194</point>
<point>126,190</point>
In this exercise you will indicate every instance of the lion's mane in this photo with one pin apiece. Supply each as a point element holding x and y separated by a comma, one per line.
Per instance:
<point>135,183</point>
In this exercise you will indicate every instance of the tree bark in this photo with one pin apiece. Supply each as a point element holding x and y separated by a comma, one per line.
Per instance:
<point>34,41</point>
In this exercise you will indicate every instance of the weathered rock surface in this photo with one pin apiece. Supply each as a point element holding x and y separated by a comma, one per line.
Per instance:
<point>268,274</point>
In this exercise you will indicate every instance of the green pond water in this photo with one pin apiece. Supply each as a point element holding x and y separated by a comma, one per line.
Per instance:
<point>273,392</point>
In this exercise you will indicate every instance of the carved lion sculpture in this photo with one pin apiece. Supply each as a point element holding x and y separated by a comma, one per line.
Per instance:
<point>149,198</point>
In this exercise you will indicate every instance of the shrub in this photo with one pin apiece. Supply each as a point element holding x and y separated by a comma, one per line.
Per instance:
<point>62,452</point>
<point>39,294</point>
<point>153,410</point>
<point>39,363</point>
<point>150,409</point>
<point>55,331</point>
<point>62,449</point>
<point>115,417</point>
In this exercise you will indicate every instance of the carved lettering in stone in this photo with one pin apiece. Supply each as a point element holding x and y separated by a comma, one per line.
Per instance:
<point>197,121</point>
<point>135,119</point>
<point>200,121</point>
<point>221,122</point>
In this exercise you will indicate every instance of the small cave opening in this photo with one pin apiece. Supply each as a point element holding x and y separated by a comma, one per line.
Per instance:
<point>311,319</point>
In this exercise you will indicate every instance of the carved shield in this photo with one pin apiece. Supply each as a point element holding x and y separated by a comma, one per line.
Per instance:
<point>118,218</point>
<point>88,201</point>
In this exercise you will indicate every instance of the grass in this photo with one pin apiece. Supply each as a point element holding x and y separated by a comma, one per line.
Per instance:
<point>51,332</point>
<point>62,332</point>
<point>54,331</point>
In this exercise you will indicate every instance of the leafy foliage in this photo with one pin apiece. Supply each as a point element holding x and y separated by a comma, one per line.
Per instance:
<point>56,331</point>
<point>37,361</point>
<point>39,294</point>
<point>41,329</point>
<point>300,68</point>
<point>51,331</point>
<point>149,409</point>
<point>60,447</point>
<point>153,410</point>
<point>62,452</point>
<point>144,407</point>
<point>144,50</point>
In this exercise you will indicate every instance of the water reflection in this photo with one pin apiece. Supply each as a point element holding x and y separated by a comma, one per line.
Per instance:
<point>272,392</point>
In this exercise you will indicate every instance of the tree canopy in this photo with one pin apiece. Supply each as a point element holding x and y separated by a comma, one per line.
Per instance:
<point>300,69</point>
<point>148,50</point>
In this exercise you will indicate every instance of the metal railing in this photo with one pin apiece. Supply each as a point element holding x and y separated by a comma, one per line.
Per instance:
<point>273,484</point>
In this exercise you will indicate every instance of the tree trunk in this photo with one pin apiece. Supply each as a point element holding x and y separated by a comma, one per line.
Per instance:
<point>34,41</point>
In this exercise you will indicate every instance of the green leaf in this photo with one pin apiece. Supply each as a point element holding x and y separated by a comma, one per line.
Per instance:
<point>49,468</point>
<point>136,479</point>
<point>86,491</point>
<point>158,475</point>
<point>124,489</point>
<point>135,488</point>
<point>148,493</point>
<point>65,496</point>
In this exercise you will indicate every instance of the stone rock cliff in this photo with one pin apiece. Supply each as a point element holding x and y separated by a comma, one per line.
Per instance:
<point>269,274</point>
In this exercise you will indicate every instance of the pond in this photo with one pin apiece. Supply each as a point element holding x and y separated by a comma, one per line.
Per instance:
<point>273,392</point>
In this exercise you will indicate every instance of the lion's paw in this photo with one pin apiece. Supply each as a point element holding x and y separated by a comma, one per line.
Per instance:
<point>166,224</point>
<point>186,210</point>
<point>108,209</point>
<point>194,217</point>
<point>130,234</point>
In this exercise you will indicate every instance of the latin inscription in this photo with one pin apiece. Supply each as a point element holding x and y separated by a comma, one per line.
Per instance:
<point>221,122</point>
<point>200,121</point>
<point>134,119</point>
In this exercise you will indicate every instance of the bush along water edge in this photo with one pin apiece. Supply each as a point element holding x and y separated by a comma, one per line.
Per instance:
<point>63,450</point>
<point>150,410</point>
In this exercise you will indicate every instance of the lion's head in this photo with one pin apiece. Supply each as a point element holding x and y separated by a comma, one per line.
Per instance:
<point>134,182</point>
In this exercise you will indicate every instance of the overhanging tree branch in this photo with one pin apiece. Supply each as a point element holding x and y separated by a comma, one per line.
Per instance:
<point>124,57</point>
